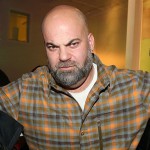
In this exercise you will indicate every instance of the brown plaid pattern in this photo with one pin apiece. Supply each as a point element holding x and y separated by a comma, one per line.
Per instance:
<point>114,118</point>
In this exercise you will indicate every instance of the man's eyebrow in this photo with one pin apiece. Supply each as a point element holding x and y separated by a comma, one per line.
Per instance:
<point>49,43</point>
<point>77,39</point>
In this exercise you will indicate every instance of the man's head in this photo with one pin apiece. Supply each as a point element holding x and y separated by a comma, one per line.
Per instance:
<point>69,45</point>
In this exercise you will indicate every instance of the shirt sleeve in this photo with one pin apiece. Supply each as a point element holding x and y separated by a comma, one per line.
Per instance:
<point>145,92</point>
<point>9,98</point>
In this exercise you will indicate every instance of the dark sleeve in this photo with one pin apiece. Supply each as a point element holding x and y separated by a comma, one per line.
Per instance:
<point>3,78</point>
<point>145,140</point>
<point>10,131</point>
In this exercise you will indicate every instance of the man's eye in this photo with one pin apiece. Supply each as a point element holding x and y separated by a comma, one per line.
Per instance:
<point>52,47</point>
<point>74,44</point>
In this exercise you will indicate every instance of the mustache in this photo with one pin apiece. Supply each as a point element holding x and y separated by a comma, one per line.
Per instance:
<point>66,64</point>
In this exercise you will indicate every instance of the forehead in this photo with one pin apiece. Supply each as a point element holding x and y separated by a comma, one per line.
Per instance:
<point>63,36</point>
<point>63,29</point>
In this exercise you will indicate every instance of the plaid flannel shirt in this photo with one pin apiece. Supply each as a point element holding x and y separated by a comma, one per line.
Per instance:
<point>115,114</point>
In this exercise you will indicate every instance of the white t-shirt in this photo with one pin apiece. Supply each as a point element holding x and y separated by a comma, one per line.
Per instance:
<point>81,96</point>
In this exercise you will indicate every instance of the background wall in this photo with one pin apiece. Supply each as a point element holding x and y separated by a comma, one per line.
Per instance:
<point>108,24</point>
<point>145,38</point>
<point>17,58</point>
<point>110,27</point>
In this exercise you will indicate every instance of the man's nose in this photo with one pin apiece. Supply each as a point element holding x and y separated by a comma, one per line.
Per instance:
<point>64,54</point>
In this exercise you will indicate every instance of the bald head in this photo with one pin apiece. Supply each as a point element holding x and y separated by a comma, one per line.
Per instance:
<point>64,14</point>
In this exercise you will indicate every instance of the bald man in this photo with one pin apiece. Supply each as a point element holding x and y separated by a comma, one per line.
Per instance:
<point>69,48</point>
<point>76,102</point>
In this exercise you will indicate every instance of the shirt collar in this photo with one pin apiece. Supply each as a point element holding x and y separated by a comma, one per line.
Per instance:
<point>103,73</point>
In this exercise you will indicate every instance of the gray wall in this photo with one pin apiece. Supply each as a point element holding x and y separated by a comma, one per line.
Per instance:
<point>16,57</point>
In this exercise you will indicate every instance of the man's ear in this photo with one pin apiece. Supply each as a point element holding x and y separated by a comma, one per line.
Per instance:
<point>91,41</point>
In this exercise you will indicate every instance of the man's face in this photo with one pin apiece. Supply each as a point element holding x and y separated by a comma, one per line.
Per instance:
<point>68,48</point>
<point>69,77</point>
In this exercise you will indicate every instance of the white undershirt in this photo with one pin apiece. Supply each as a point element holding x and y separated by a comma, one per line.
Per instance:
<point>81,96</point>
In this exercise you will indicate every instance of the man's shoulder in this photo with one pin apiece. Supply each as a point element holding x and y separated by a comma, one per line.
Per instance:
<point>118,75</point>
<point>40,72</point>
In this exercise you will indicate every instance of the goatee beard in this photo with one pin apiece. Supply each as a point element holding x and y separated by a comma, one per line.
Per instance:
<point>69,78</point>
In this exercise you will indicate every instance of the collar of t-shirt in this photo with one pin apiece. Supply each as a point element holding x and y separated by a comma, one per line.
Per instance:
<point>81,96</point>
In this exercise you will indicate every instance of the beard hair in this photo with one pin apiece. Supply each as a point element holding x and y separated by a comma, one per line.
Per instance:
<point>69,78</point>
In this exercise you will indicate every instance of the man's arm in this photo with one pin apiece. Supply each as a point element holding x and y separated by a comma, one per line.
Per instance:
<point>145,93</point>
<point>9,98</point>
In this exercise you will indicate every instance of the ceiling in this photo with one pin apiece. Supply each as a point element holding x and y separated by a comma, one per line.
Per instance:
<point>89,6</point>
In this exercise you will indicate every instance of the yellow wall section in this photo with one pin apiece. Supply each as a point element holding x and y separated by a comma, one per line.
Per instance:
<point>145,41</point>
<point>145,55</point>
<point>109,27</point>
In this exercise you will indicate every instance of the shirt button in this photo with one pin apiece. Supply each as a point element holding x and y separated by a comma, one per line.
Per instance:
<point>42,75</point>
<point>82,133</point>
